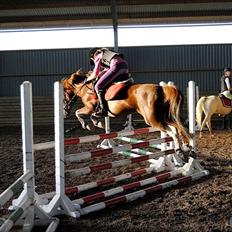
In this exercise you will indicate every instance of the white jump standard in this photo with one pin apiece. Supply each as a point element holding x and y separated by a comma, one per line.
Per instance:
<point>26,210</point>
<point>190,171</point>
<point>40,211</point>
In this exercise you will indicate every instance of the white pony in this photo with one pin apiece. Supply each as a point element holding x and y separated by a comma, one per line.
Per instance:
<point>209,105</point>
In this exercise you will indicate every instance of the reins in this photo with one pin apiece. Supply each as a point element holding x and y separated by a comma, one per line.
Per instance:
<point>69,104</point>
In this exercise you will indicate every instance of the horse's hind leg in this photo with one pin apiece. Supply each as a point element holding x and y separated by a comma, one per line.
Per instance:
<point>183,145</point>
<point>171,131</point>
<point>208,123</point>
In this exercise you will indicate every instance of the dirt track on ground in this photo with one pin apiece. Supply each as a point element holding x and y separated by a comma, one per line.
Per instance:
<point>205,205</point>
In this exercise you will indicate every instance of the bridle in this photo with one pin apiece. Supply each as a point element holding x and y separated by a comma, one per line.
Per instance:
<point>69,104</point>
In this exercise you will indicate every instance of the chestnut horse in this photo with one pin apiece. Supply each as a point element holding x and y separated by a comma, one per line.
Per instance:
<point>159,106</point>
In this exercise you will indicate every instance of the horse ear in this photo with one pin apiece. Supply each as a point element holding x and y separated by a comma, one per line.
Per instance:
<point>78,72</point>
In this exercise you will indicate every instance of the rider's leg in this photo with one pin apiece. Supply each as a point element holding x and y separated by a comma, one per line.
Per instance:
<point>106,79</point>
<point>102,103</point>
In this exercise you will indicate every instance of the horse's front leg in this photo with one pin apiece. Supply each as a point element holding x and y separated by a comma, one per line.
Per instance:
<point>81,116</point>
<point>100,123</point>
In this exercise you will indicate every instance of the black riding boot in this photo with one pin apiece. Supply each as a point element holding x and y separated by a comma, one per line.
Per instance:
<point>102,112</point>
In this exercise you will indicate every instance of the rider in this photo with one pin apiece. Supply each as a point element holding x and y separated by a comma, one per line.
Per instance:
<point>226,83</point>
<point>113,65</point>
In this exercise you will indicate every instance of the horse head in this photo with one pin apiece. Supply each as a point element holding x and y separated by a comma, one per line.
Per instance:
<point>72,86</point>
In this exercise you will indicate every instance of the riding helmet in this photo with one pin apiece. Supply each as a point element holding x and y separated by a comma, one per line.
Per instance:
<point>91,54</point>
<point>227,69</point>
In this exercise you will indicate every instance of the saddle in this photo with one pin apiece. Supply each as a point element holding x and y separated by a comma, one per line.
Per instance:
<point>226,102</point>
<point>118,89</point>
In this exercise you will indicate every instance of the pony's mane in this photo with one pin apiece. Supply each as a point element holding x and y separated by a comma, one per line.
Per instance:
<point>76,77</point>
<point>79,72</point>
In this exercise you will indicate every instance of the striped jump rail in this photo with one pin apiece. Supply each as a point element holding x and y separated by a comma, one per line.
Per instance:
<point>110,192</point>
<point>141,193</point>
<point>103,182</point>
<point>112,135</point>
<point>16,215</point>
<point>138,151</point>
<point>115,164</point>
<point>92,138</point>
<point>133,140</point>
<point>108,181</point>
<point>15,188</point>
<point>102,152</point>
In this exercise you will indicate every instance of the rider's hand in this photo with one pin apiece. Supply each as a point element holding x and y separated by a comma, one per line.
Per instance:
<point>91,77</point>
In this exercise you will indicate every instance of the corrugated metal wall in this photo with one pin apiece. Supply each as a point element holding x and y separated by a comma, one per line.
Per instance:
<point>201,63</point>
<point>41,67</point>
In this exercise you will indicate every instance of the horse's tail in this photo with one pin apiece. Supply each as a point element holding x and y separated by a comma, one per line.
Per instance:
<point>176,101</point>
<point>199,110</point>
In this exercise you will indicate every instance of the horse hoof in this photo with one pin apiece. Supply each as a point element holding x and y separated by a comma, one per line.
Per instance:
<point>96,122</point>
<point>183,155</point>
<point>90,127</point>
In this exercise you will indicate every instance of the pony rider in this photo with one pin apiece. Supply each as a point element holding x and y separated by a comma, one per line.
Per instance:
<point>114,66</point>
<point>226,83</point>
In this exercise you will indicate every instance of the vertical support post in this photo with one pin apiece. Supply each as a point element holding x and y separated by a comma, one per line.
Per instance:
<point>59,139</point>
<point>163,134</point>
<point>129,123</point>
<point>197,93</point>
<point>27,135</point>
<point>27,202</point>
<point>115,23</point>
<point>60,204</point>
<point>107,142</point>
<point>28,153</point>
<point>171,146</point>
<point>107,123</point>
<point>192,111</point>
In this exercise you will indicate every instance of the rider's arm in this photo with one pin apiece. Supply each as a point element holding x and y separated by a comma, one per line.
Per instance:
<point>227,81</point>
<point>97,67</point>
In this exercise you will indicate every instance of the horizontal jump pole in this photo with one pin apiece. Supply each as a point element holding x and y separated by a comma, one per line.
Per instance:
<point>138,151</point>
<point>141,193</point>
<point>103,182</point>
<point>115,164</point>
<point>112,135</point>
<point>102,152</point>
<point>92,138</point>
<point>110,180</point>
<point>110,192</point>
<point>133,140</point>
<point>15,188</point>
<point>16,215</point>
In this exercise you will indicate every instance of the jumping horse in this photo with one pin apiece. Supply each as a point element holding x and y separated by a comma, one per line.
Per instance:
<point>160,106</point>
<point>210,105</point>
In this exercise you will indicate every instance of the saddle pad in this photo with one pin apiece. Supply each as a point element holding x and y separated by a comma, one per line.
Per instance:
<point>113,91</point>
<point>225,101</point>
